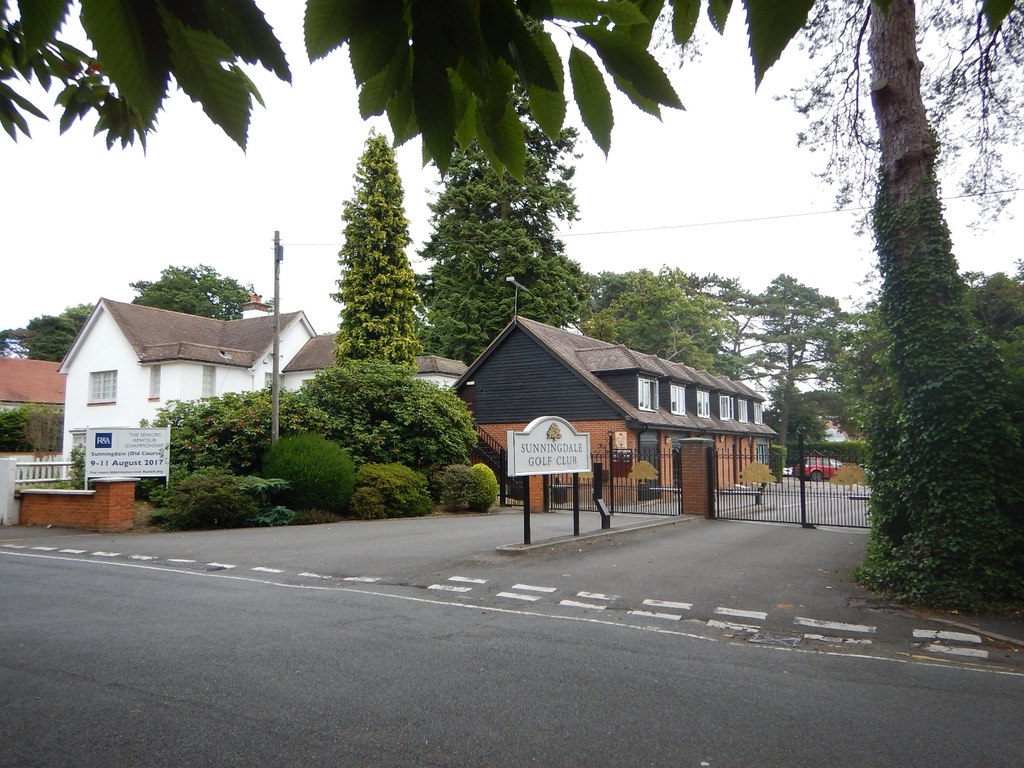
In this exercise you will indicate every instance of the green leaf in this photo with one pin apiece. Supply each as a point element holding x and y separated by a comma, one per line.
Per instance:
<point>242,25</point>
<point>330,23</point>
<point>225,94</point>
<point>402,116</point>
<point>133,47</point>
<point>587,11</point>
<point>508,141</point>
<point>374,44</point>
<point>996,12</point>
<point>465,109</point>
<point>718,12</point>
<point>684,19</point>
<point>624,12</point>
<point>649,106</point>
<point>592,97</point>
<point>548,106</point>
<point>40,20</point>
<point>629,61</point>
<point>771,26</point>
<point>379,89</point>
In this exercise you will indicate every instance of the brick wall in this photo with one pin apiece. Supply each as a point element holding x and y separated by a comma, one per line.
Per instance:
<point>697,477</point>
<point>111,507</point>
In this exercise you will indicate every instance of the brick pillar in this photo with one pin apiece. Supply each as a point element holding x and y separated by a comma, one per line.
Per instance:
<point>698,476</point>
<point>536,492</point>
<point>114,504</point>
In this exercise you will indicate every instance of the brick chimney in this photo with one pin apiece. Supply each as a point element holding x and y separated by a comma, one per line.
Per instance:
<point>255,307</point>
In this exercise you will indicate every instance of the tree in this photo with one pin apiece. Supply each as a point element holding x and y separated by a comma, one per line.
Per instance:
<point>377,285</point>
<point>46,337</point>
<point>488,227</point>
<point>797,331</point>
<point>195,291</point>
<point>660,314</point>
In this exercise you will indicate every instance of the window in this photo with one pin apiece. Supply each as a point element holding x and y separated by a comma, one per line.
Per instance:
<point>758,414</point>
<point>679,399</point>
<point>725,407</point>
<point>154,383</point>
<point>743,414</point>
<point>648,397</point>
<point>103,387</point>
<point>209,381</point>
<point>703,404</point>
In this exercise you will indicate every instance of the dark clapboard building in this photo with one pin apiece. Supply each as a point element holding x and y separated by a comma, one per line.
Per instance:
<point>632,404</point>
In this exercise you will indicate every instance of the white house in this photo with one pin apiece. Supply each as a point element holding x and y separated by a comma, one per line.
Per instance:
<point>129,360</point>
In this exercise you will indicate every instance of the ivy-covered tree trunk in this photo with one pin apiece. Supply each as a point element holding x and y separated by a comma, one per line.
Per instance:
<point>377,285</point>
<point>945,509</point>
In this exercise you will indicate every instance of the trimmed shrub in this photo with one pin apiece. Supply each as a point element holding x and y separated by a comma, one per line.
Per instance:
<point>390,490</point>
<point>321,473</point>
<point>208,499</point>
<point>457,485</point>
<point>485,488</point>
<point>777,459</point>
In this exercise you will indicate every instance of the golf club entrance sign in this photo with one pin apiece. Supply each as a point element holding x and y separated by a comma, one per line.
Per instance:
<point>549,445</point>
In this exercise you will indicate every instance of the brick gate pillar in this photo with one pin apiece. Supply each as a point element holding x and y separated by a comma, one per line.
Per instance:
<point>698,476</point>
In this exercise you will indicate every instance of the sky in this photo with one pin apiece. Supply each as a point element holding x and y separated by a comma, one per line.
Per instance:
<point>720,187</point>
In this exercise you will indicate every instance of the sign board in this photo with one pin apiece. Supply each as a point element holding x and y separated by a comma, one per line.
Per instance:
<point>549,445</point>
<point>127,452</point>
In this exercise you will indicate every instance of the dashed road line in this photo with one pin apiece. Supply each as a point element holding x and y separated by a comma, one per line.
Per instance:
<point>837,640</point>
<point>263,569</point>
<point>715,623</point>
<point>518,596</point>
<point>105,554</point>
<point>578,604</point>
<point>450,588</point>
<point>310,575</point>
<point>656,615</point>
<point>467,580</point>
<point>74,551</point>
<point>141,557</point>
<point>974,653</point>
<point>19,546</point>
<point>740,614</point>
<point>958,637</point>
<point>836,625</point>
<point>46,549</point>
<point>225,566</point>
<point>179,560</point>
<point>668,604</point>
<point>531,588</point>
<point>363,579</point>
<point>596,596</point>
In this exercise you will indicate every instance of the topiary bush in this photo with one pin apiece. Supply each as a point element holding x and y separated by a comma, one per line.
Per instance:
<point>485,488</point>
<point>321,473</point>
<point>390,490</point>
<point>457,485</point>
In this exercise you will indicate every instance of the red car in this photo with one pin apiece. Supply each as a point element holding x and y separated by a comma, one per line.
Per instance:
<point>817,468</point>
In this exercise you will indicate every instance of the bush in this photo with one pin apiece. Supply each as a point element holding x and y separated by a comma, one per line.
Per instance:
<point>457,485</point>
<point>385,415</point>
<point>390,490</point>
<point>321,474</point>
<point>313,517</point>
<point>777,459</point>
<point>208,499</point>
<point>485,488</point>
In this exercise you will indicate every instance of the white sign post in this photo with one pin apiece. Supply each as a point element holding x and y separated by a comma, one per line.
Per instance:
<point>127,452</point>
<point>549,445</point>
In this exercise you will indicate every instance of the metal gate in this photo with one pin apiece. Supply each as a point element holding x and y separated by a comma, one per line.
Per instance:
<point>821,488</point>
<point>638,481</point>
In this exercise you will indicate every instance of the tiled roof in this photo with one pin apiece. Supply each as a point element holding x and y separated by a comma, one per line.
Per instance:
<point>159,335</point>
<point>444,365</point>
<point>30,381</point>
<point>589,358</point>
<point>318,353</point>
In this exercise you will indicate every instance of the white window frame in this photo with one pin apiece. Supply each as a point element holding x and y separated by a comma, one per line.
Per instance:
<point>758,413</point>
<point>725,408</point>
<point>209,381</point>
<point>103,387</point>
<point>703,404</point>
<point>744,411</point>
<point>647,394</point>
<point>678,393</point>
<point>154,382</point>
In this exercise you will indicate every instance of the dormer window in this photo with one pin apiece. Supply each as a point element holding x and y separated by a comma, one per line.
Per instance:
<point>647,399</point>
<point>744,414</point>
<point>678,399</point>
<point>725,407</point>
<point>703,404</point>
<point>758,413</point>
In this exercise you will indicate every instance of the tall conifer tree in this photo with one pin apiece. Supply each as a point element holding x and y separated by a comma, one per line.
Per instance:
<point>377,287</point>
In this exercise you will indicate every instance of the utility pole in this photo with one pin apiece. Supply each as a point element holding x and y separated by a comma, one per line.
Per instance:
<point>275,386</point>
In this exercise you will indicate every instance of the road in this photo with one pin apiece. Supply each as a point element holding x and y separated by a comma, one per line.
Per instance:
<point>406,645</point>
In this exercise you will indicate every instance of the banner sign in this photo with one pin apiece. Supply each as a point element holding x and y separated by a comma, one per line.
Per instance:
<point>550,445</point>
<point>126,452</point>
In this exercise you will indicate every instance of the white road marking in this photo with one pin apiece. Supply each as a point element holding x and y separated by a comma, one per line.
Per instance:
<point>106,554</point>
<point>517,596</point>
<point>668,604</point>
<point>467,580</point>
<point>654,615</point>
<point>75,551</point>
<point>975,653</point>
<point>577,604</point>
<point>735,627</point>
<point>531,588</point>
<point>313,575</point>
<point>262,569</point>
<point>838,625</point>
<point>596,596</point>
<point>179,560</point>
<point>959,637</point>
<point>20,546</point>
<point>141,557</point>
<point>450,588</point>
<point>46,549</point>
<point>362,579</point>
<point>761,615</point>
<point>838,640</point>
<point>226,566</point>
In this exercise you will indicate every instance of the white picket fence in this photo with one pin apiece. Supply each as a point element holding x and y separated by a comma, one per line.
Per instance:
<point>42,471</point>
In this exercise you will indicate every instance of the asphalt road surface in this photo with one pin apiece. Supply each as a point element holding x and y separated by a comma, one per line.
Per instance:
<point>340,646</point>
